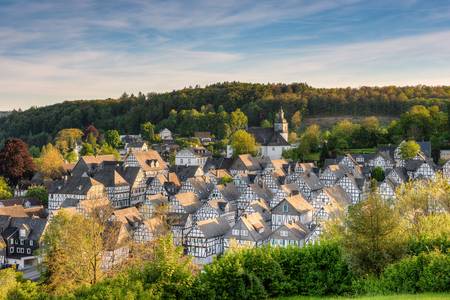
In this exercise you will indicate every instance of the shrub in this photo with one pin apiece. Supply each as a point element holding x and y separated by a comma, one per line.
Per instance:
<point>311,270</point>
<point>227,278</point>
<point>427,272</point>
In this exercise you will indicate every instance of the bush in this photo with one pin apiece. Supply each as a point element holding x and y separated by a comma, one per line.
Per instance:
<point>427,272</point>
<point>227,278</point>
<point>311,270</point>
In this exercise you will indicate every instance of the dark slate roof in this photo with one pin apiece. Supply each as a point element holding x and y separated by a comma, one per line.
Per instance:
<point>75,185</point>
<point>10,225</point>
<point>218,163</point>
<point>413,164</point>
<point>229,191</point>
<point>185,172</point>
<point>129,173</point>
<point>267,137</point>
<point>109,177</point>
<point>311,180</point>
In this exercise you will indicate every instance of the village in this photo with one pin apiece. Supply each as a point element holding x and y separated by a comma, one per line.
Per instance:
<point>209,204</point>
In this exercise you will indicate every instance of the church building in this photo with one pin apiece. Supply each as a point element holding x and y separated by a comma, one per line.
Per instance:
<point>273,141</point>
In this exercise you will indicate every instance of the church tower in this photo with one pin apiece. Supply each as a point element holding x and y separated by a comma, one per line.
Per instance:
<point>281,125</point>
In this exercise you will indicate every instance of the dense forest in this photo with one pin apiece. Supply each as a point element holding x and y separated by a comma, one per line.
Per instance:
<point>259,102</point>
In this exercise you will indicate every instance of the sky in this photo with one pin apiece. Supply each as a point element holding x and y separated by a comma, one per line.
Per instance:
<point>53,50</point>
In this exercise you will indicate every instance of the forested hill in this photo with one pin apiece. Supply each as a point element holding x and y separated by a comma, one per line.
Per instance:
<point>258,101</point>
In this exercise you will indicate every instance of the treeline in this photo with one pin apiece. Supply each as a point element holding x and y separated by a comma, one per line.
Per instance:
<point>38,126</point>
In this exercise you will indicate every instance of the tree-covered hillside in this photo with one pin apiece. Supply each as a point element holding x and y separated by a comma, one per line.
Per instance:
<point>257,101</point>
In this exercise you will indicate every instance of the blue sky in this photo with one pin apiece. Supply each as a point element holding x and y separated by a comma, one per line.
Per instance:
<point>52,50</point>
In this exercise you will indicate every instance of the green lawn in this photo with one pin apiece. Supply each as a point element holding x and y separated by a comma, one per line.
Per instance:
<point>391,297</point>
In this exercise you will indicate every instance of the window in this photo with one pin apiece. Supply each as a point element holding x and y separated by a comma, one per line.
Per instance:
<point>21,242</point>
<point>283,233</point>
<point>244,232</point>
<point>11,241</point>
<point>11,250</point>
<point>285,208</point>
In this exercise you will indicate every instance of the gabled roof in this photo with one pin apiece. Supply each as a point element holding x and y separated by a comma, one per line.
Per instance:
<point>213,227</point>
<point>130,174</point>
<point>189,201</point>
<point>257,227</point>
<point>229,191</point>
<point>75,185</point>
<point>248,162</point>
<point>218,163</point>
<point>186,172</point>
<point>91,159</point>
<point>267,136</point>
<point>10,226</point>
<point>127,215</point>
<point>146,158</point>
<point>298,203</point>
<point>298,230</point>
<point>311,180</point>
<point>109,177</point>
<point>338,194</point>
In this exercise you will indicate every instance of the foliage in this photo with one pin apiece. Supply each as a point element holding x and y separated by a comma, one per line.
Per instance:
<point>67,139</point>
<point>238,121</point>
<point>372,237</point>
<point>409,149</point>
<point>266,124</point>
<point>148,131</point>
<point>38,192</point>
<point>106,149</point>
<point>91,134</point>
<point>296,120</point>
<point>225,180</point>
<point>51,162</point>
<point>13,286</point>
<point>243,142</point>
<point>15,161</point>
<point>261,272</point>
<point>378,174</point>
<point>72,251</point>
<point>38,126</point>
<point>166,274</point>
<point>71,157</point>
<point>427,272</point>
<point>35,151</point>
<point>5,190</point>
<point>112,138</point>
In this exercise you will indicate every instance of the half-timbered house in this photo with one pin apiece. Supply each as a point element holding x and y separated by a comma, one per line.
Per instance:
<point>205,239</point>
<point>289,234</point>
<point>292,209</point>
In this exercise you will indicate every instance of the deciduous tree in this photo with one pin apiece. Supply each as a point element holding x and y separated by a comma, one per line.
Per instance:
<point>243,142</point>
<point>409,149</point>
<point>51,162</point>
<point>5,190</point>
<point>112,137</point>
<point>373,235</point>
<point>238,120</point>
<point>15,161</point>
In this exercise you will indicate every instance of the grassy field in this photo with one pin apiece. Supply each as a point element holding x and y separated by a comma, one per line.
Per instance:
<point>391,297</point>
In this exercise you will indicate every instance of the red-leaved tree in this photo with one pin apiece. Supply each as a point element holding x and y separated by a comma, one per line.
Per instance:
<point>16,162</point>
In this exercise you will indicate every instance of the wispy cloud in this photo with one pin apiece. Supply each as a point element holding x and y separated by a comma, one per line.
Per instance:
<point>56,50</point>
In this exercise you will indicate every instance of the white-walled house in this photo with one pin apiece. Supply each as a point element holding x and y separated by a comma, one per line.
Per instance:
<point>192,157</point>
